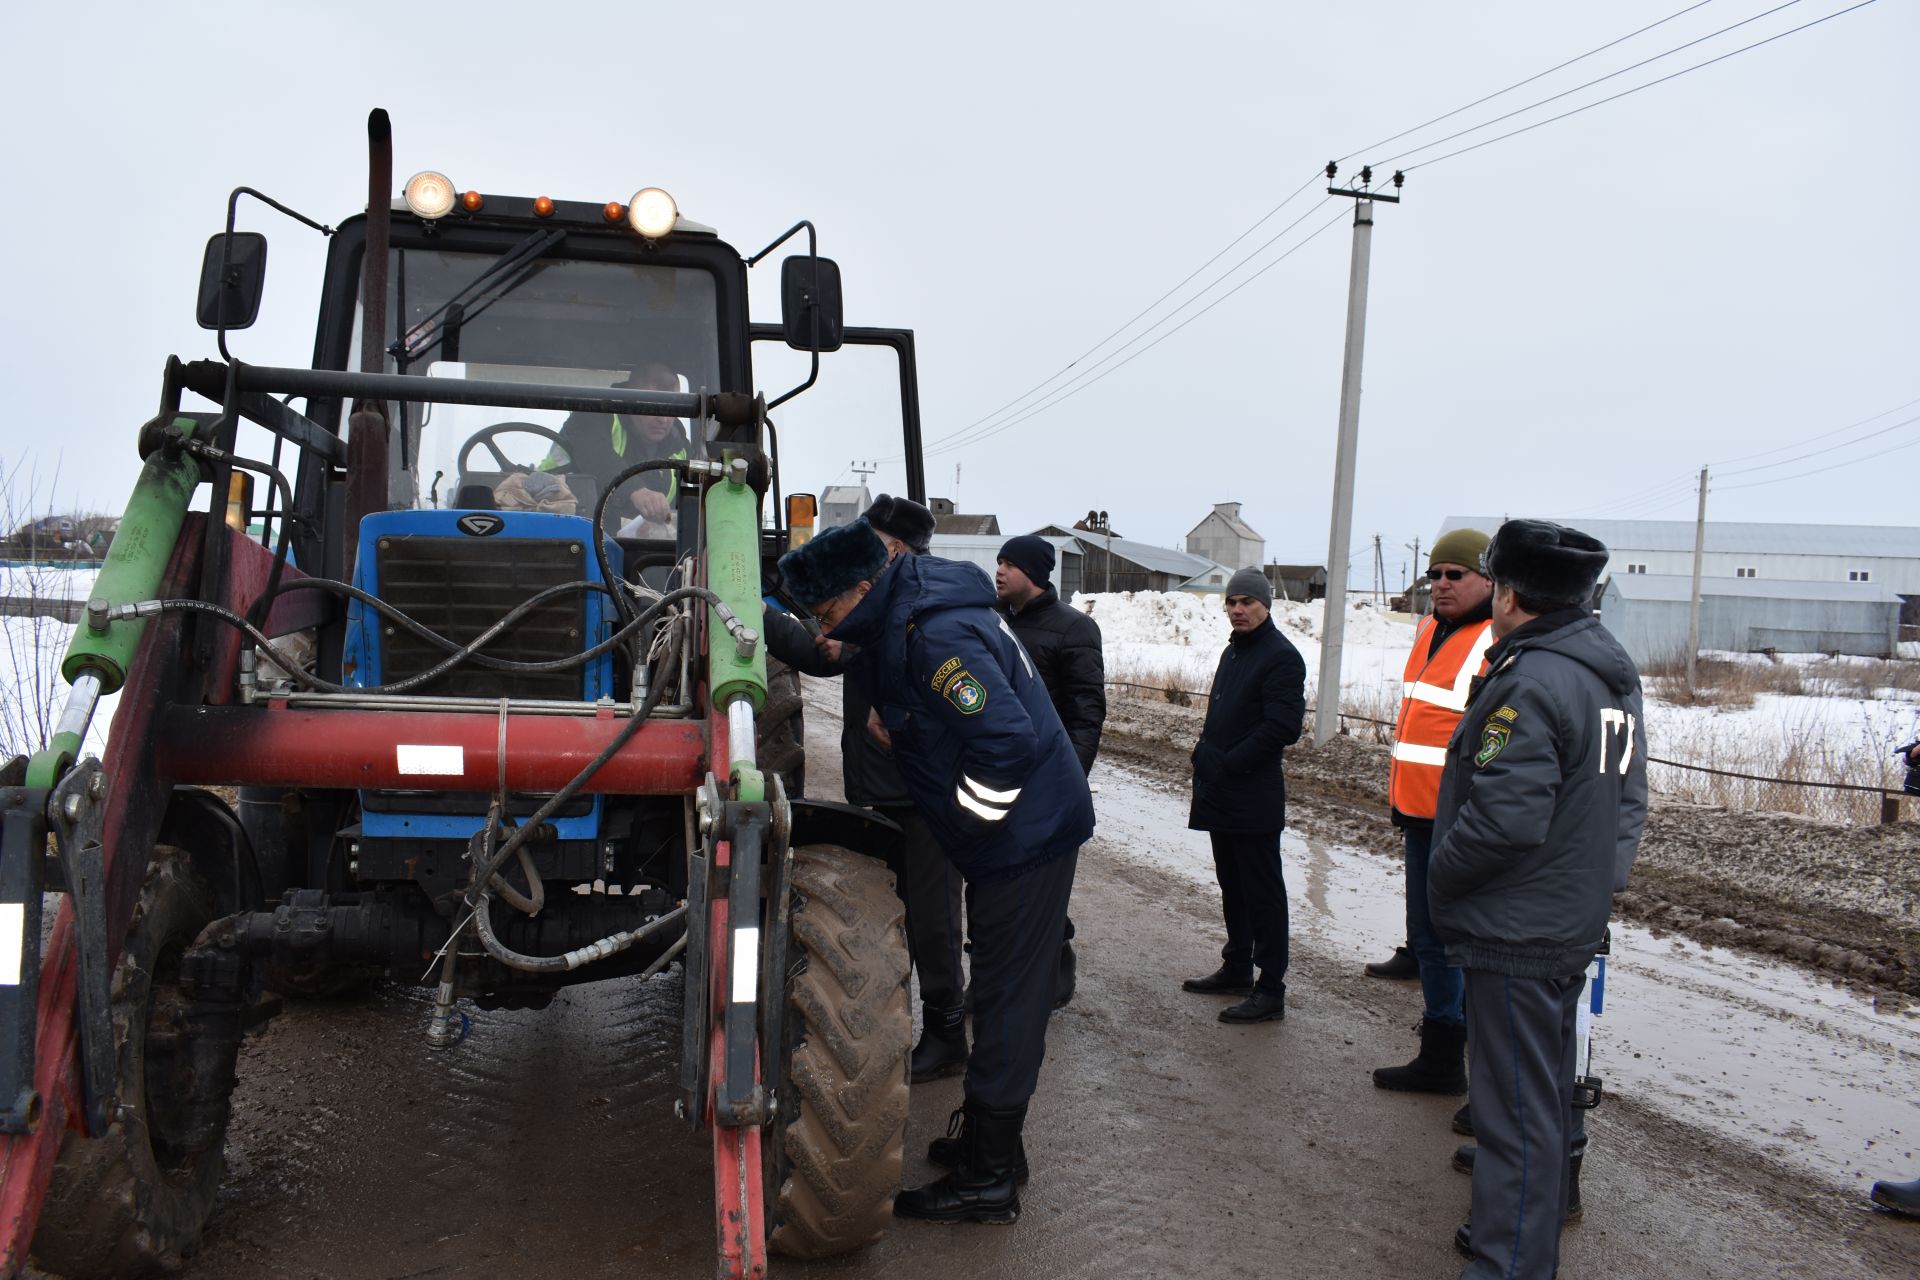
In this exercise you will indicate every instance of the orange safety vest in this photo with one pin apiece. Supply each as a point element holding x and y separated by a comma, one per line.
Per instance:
<point>1433,697</point>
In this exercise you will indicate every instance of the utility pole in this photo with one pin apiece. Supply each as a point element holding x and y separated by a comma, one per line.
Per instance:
<point>1693,604</point>
<point>1326,721</point>
<point>1379,575</point>
<point>1413,580</point>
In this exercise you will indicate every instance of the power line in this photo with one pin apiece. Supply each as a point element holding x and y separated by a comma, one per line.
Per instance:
<point>1845,444</point>
<point>1068,393</point>
<point>1611,75</point>
<point>950,442</point>
<point>1822,436</point>
<point>1637,88</point>
<point>1834,466</point>
<point>1257,224</point>
<point>1520,84</point>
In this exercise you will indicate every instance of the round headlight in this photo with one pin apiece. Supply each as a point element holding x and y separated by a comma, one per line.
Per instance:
<point>652,212</point>
<point>430,194</point>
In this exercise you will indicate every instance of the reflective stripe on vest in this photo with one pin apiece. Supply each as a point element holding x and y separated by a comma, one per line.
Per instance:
<point>1433,694</point>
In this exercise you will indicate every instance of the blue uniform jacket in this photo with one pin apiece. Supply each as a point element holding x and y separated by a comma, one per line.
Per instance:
<point>975,735</point>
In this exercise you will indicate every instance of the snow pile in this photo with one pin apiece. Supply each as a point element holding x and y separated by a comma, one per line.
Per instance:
<point>1157,635</point>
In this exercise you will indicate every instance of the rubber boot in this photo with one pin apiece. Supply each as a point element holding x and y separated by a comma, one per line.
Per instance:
<point>1400,965</point>
<point>1901,1197</point>
<point>942,1050</point>
<point>1440,1067</point>
<point>982,1186</point>
<point>945,1152</point>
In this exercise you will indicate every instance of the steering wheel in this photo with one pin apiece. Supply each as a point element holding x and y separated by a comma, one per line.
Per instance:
<point>488,435</point>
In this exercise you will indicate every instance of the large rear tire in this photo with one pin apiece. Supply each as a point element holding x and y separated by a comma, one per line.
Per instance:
<point>835,1147</point>
<point>135,1200</point>
<point>781,730</point>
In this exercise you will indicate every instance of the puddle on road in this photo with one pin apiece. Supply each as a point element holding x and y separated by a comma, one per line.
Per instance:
<point>1753,1050</point>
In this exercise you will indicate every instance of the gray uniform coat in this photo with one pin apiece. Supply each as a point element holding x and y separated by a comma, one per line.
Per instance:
<point>1542,802</point>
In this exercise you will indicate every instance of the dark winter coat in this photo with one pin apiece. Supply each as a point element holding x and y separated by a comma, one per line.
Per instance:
<point>1254,712</point>
<point>975,736</point>
<point>1064,644</point>
<point>1542,802</point>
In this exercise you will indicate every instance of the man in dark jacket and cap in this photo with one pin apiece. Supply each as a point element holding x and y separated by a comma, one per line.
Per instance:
<point>987,762</point>
<point>1064,644</point>
<point>1254,712</point>
<point>1541,805</point>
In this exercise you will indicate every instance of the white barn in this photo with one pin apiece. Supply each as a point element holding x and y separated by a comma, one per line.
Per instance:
<point>1885,556</point>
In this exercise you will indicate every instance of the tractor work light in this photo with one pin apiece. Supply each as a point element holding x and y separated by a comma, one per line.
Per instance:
<point>652,212</point>
<point>430,194</point>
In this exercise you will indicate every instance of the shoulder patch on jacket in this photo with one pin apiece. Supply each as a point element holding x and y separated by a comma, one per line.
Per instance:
<point>965,693</point>
<point>1493,740</point>
<point>947,668</point>
<point>1506,713</point>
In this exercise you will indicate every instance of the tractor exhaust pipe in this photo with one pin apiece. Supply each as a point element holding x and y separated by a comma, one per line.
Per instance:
<point>367,432</point>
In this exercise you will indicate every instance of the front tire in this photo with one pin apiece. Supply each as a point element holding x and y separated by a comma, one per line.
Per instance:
<point>835,1147</point>
<point>135,1200</point>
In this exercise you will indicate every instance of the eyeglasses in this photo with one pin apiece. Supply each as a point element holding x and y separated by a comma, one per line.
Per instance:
<point>1451,575</point>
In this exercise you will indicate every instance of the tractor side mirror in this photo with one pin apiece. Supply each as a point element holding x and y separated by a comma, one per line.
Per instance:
<point>233,276</point>
<point>810,290</point>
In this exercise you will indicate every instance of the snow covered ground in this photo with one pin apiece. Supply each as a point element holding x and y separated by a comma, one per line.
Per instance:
<point>1175,638</point>
<point>1827,732</point>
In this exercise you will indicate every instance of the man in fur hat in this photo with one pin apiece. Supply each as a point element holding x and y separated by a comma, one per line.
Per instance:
<point>983,754</point>
<point>1540,810</point>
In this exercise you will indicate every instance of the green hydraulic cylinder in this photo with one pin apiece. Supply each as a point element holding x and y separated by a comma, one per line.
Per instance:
<point>101,652</point>
<point>732,513</point>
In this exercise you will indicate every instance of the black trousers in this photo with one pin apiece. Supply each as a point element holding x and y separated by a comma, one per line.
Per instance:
<point>1016,923</point>
<point>1520,1037</point>
<point>1253,897</point>
<point>930,885</point>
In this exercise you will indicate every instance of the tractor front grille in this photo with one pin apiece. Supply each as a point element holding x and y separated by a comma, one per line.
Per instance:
<point>461,586</point>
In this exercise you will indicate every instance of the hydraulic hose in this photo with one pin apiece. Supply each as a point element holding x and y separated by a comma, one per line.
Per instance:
<point>600,514</point>
<point>464,653</point>
<point>600,950</point>
<point>484,874</point>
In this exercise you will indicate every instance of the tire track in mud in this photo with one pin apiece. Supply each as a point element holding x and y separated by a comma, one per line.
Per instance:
<point>1837,899</point>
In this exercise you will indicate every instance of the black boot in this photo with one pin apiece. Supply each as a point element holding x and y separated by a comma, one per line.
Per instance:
<point>942,1050</point>
<point>946,1151</point>
<point>1463,1121</point>
<point>1463,1157</point>
<point>1221,982</point>
<point>1402,965</point>
<point>1063,978</point>
<point>982,1186</point>
<point>1901,1197</point>
<point>1441,1066</point>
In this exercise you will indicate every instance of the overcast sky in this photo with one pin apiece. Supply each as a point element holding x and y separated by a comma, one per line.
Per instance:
<point>1561,323</point>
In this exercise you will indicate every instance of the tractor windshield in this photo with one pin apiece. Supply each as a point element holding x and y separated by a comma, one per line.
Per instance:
<point>552,320</point>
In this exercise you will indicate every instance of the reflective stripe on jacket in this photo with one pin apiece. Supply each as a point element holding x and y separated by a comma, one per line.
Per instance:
<point>1433,695</point>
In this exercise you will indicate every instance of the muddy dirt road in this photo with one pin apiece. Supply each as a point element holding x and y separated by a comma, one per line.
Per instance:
<point>1163,1143</point>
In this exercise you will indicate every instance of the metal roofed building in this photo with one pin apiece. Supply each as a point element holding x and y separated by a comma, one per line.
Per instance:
<point>1647,613</point>
<point>984,550</point>
<point>1133,566</point>
<point>1883,555</point>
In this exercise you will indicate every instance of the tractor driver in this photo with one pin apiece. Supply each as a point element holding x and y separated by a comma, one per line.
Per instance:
<point>603,445</point>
